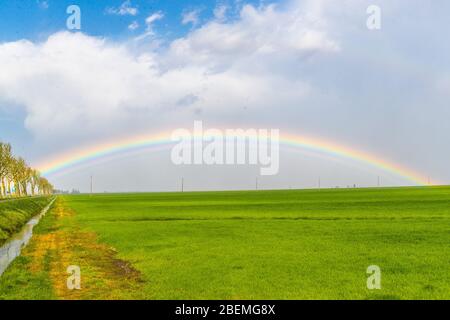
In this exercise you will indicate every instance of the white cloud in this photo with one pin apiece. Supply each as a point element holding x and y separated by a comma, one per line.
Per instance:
<point>216,71</point>
<point>259,32</point>
<point>220,12</point>
<point>154,17</point>
<point>190,17</point>
<point>149,21</point>
<point>125,9</point>
<point>133,26</point>
<point>43,4</point>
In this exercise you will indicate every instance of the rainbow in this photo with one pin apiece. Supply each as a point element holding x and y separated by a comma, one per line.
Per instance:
<point>72,159</point>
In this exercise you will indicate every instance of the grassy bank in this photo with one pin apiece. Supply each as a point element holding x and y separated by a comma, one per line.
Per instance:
<point>15,213</point>
<point>40,272</point>
<point>291,244</point>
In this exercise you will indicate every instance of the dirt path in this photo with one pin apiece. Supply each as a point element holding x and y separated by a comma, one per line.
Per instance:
<point>62,244</point>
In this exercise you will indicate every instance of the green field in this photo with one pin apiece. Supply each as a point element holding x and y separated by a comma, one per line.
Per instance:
<point>290,244</point>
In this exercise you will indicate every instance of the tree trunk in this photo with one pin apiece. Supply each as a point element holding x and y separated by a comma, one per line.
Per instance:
<point>17,187</point>
<point>2,188</point>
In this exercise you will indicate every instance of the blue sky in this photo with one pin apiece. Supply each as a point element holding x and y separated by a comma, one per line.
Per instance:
<point>307,67</point>
<point>37,19</point>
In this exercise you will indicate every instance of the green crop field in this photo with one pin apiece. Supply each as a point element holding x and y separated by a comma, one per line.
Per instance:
<point>290,244</point>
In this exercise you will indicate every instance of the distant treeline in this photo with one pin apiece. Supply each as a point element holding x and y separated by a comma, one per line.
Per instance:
<point>17,178</point>
<point>74,191</point>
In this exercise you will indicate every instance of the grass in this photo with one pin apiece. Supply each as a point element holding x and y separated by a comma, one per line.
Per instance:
<point>290,244</point>
<point>15,213</point>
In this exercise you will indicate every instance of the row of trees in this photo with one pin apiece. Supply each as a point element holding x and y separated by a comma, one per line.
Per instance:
<point>17,178</point>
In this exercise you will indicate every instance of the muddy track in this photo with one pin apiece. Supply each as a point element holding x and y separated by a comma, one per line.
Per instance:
<point>63,244</point>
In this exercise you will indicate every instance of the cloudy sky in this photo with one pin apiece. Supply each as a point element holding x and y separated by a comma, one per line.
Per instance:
<point>305,67</point>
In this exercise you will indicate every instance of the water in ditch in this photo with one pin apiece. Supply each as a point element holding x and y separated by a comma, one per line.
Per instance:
<point>12,248</point>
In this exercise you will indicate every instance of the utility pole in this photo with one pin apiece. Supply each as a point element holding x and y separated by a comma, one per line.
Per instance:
<point>256,184</point>
<point>319,182</point>
<point>182,184</point>
<point>92,185</point>
<point>378,181</point>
